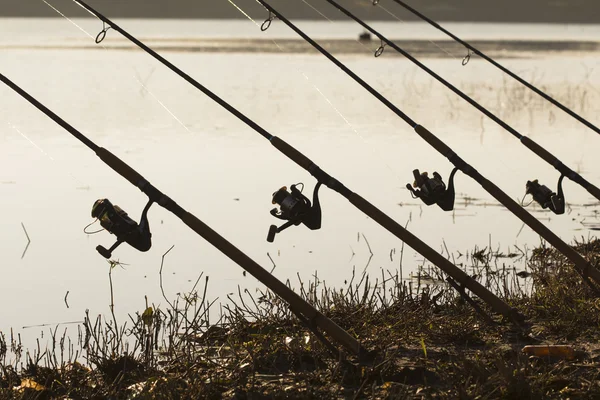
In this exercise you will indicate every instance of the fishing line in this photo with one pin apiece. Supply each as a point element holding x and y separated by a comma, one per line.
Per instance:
<point>374,150</point>
<point>55,324</point>
<point>451,55</point>
<point>105,48</point>
<point>523,199</point>
<point>316,10</point>
<point>411,122</point>
<point>379,51</point>
<point>465,60</point>
<point>31,141</point>
<point>77,180</point>
<point>90,224</point>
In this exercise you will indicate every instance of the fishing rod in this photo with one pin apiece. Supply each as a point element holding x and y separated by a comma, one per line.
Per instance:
<point>117,222</point>
<point>433,190</point>
<point>554,201</point>
<point>298,209</point>
<point>497,65</point>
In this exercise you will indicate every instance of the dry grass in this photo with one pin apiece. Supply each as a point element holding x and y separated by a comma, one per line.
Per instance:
<point>425,342</point>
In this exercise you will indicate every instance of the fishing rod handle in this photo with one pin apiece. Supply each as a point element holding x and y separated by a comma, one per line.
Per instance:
<point>434,141</point>
<point>121,167</point>
<point>498,305</point>
<point>540,151</point>
<point>292,153</point>
<point>296,302</point>
<point>594,191</point>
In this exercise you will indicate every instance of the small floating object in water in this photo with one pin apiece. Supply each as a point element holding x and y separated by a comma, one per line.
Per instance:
<point>555,350</point>
<point>364,37</point>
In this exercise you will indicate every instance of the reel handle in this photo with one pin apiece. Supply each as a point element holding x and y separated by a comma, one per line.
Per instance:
<point>273,229</point>
<point>103,251</point>
<point>272,233</point>
<point>107,253</point>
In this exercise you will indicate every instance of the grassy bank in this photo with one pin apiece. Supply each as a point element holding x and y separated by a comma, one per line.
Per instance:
<point>425,341</point>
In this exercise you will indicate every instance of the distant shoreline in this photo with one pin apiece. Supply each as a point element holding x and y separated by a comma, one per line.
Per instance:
<point>418,48</point>
<point>528,11</point>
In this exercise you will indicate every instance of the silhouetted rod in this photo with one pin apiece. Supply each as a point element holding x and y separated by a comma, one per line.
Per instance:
<point>501,67</point>
<point>580,263</point>
<point>529,143</point>
<point>369,209</point>
<point>297,303</point>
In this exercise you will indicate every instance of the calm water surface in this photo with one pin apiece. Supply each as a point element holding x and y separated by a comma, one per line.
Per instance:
<point>224,173</point>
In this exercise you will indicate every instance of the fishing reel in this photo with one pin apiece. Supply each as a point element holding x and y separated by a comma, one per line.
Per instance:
<point>295,208</point>
<point>116,221</point>
<point>433,190</point>
<point>545,197</point>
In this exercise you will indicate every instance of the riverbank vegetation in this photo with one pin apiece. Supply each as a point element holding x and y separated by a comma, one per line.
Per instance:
<point>424,341</point>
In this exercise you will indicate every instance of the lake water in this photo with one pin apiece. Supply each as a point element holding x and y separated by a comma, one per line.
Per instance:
<point>224,173</point>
